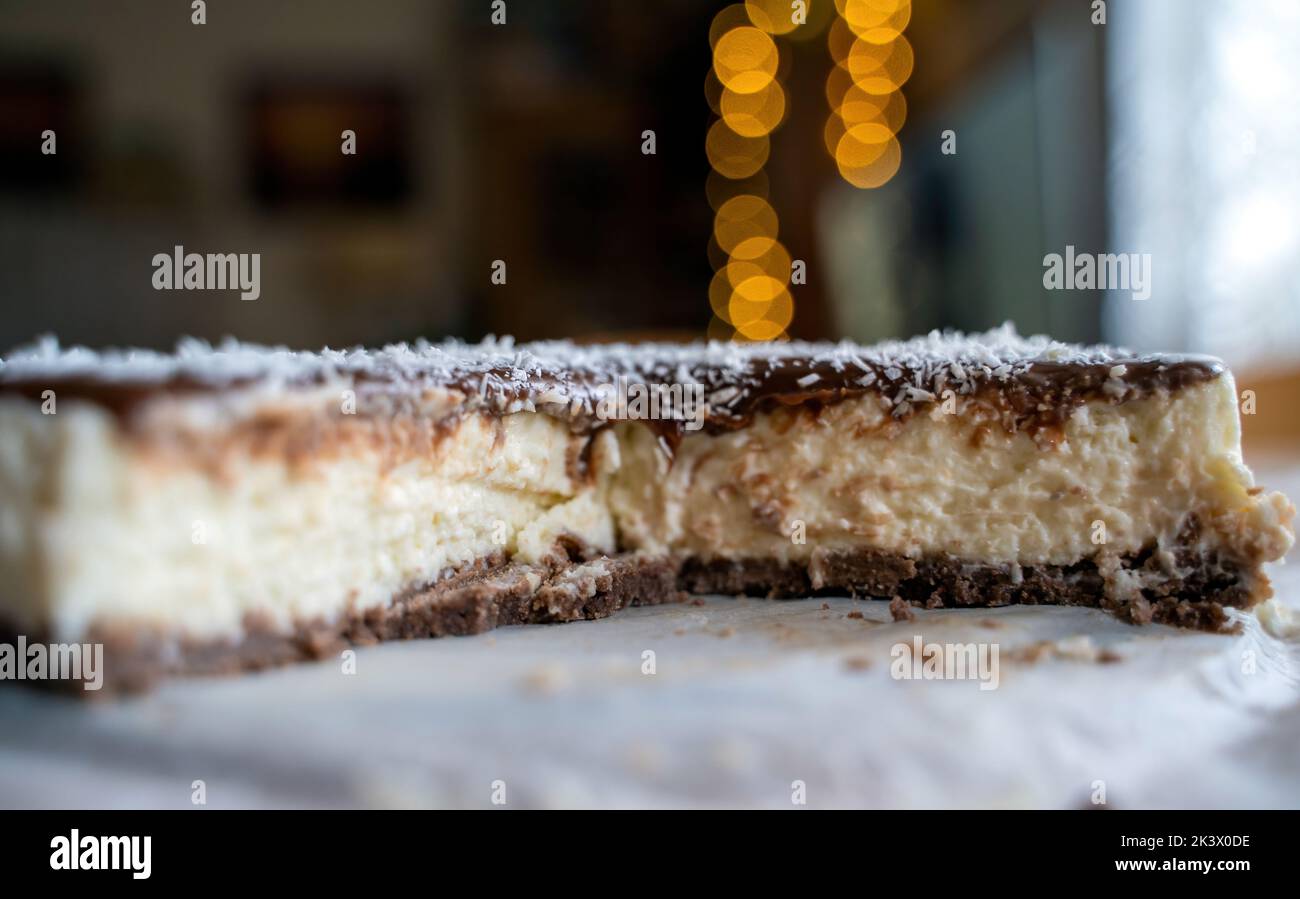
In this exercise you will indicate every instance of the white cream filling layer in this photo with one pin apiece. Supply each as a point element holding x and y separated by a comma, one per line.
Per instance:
<point>94,528</point>
<point>795,482</point>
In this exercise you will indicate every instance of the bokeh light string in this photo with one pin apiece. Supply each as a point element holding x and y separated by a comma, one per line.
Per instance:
<point>750,291</point>
<point>872,61</point>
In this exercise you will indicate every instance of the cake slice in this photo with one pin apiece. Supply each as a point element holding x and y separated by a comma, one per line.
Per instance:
<point>235,507</point>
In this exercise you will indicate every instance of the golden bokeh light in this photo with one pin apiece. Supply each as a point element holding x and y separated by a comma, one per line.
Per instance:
<point>868,155</point>
<point>765,329</point>
<point>728,18</point>
<point>759,299</point>
<point>742,218</point>
<point>880,36</point>
<point>752,299</point>
<point>749,293</point>
<point>758,291</point>
<point>859,108</point>
<point>771,16</point>
<point>879,68</point>
<point>761,308</point>
<point>745,60</point>
<point>864,15</point>
<point>836,128</point>
<point>861,145</point>
<point>756,114</point>
<point>873,60</point>
<point>737,272</point>
<point>756,256</point>
<point>733,155</point>
<point>856,106</point>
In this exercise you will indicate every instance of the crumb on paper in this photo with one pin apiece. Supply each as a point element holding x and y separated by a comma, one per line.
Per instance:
<point>1032,653</point>
<point>826,607</point>
<point>548,679</point>
<point>726,632</point>
<point>900,610</point>
<point>855,614</point>
<point>857,663</point>
<point>1079,648</point>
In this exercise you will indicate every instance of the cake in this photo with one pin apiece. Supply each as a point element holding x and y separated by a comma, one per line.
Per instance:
<point>232,507</point>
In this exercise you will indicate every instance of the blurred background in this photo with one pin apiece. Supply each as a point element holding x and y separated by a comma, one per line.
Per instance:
<point>914,162</point>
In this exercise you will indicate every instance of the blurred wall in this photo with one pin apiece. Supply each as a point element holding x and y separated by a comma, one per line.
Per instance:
<point>163,110</point>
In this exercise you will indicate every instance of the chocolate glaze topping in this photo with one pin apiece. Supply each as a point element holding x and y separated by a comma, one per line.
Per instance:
<point>1030,382</point>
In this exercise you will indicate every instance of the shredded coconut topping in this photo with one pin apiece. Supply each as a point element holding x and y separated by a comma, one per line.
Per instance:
<point>562,373</point>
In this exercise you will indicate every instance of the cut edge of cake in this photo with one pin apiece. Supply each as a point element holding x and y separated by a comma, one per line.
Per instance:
<point>237,507</point>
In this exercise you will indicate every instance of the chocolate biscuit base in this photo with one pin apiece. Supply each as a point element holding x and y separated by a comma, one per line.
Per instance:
<point>489,594</point>
<point>1197,599</point>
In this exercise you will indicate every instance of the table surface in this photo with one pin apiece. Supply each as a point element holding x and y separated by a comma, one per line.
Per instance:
<point>751,703</point>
